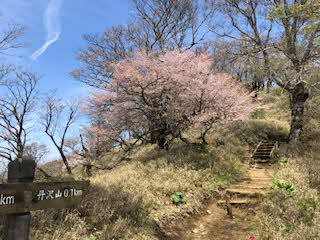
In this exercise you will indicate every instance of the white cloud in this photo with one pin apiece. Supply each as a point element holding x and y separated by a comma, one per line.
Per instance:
<point>51,21</point>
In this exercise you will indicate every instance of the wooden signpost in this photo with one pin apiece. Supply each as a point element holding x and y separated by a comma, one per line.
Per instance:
<point>26,197</point>
<point>21,195</point>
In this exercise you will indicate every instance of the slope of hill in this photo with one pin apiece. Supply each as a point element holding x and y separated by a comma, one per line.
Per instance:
<point>134,199</point>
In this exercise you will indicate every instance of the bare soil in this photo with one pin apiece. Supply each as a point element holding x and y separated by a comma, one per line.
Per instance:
<point>214,223</point>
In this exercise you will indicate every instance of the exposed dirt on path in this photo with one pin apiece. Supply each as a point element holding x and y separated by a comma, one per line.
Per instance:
<point>214,223</point>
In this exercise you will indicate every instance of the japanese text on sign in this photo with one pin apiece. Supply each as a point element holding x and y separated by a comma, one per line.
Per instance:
<point>54,194</point>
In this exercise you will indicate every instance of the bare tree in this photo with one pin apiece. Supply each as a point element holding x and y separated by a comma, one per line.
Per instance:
<point>81,147</point>
<point>249,69</point>
<point>57,120</point>
<point>285,32</point>
<point>247,25</point>
<point>300,30</point>
<point>36,151</point>
<point>16,106</point>
<point>157,26</point>
<point>167,25</point>
<point>9,41</point>
<point>9,38</point>
<point>113,45</point>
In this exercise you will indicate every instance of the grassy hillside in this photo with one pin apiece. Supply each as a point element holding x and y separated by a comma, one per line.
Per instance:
<point>133,200</point>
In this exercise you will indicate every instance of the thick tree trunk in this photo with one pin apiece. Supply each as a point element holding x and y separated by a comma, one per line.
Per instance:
<point>162,142</point>
<point>268,69</point>
<point>153,139</point>
<point>299,96</point>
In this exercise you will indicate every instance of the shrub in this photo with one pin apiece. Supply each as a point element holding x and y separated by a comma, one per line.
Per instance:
<point>178,198</point>
<point>283,185</point>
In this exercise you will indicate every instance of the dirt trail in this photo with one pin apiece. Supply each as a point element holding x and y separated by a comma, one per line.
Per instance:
<point>214,223</point>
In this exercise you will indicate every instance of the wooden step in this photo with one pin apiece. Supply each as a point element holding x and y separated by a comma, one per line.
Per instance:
<point>238,202</point>
<point>233,192</point>
<point>252,186</point>
<point>265,181</point>
<point>262,157</point>
<point>263,154</point>
<point>262,160</point>
<point>262,165</point>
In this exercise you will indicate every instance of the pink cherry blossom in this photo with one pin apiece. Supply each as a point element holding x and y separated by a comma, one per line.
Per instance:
<point>156,97</point>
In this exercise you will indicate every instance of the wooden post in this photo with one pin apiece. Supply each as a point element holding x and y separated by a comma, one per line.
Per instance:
<point>18,225</point>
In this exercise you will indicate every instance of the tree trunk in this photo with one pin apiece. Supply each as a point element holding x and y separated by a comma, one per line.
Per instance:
<point>268,69</point>
<point>298,98</point>
<point>162,143</point>
<point>269,84</point>
<point>204,134</point>
<point>65,161</point>
<point>153,138</point>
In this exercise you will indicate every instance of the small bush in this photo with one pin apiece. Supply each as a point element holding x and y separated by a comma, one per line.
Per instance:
<point>282,185</point>
<point>178,198</point>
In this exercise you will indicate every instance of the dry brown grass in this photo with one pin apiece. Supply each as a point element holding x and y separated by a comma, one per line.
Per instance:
<point>295,216</point>
<point>289,216</point>
<point>133,200</point>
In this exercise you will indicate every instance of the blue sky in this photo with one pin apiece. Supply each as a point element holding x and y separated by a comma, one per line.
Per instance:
<point>59,26</point>
<point>74,18</point>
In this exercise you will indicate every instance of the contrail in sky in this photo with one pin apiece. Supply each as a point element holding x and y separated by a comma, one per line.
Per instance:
<point>51,20</point>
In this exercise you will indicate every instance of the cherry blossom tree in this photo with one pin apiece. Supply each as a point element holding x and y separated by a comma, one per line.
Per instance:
<point>154,98</point>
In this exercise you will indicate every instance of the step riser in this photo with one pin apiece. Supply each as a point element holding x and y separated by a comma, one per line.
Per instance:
<point>239,205</point>
<point>262,161</point>
<point>258,189</point>
<point>246,195</point>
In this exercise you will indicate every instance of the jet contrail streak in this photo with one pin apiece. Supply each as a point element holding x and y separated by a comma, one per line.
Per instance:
<point>52,23</point>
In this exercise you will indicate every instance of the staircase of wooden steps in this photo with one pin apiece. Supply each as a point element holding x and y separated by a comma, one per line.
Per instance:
<point>264,151</point>
<point>252,189</point>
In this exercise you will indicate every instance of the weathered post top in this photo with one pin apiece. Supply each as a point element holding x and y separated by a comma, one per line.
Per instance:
<point>21,171</point>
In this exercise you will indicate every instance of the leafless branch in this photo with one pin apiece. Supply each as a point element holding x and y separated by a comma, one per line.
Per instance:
<point>16,105</point>
<point>57,120</point>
